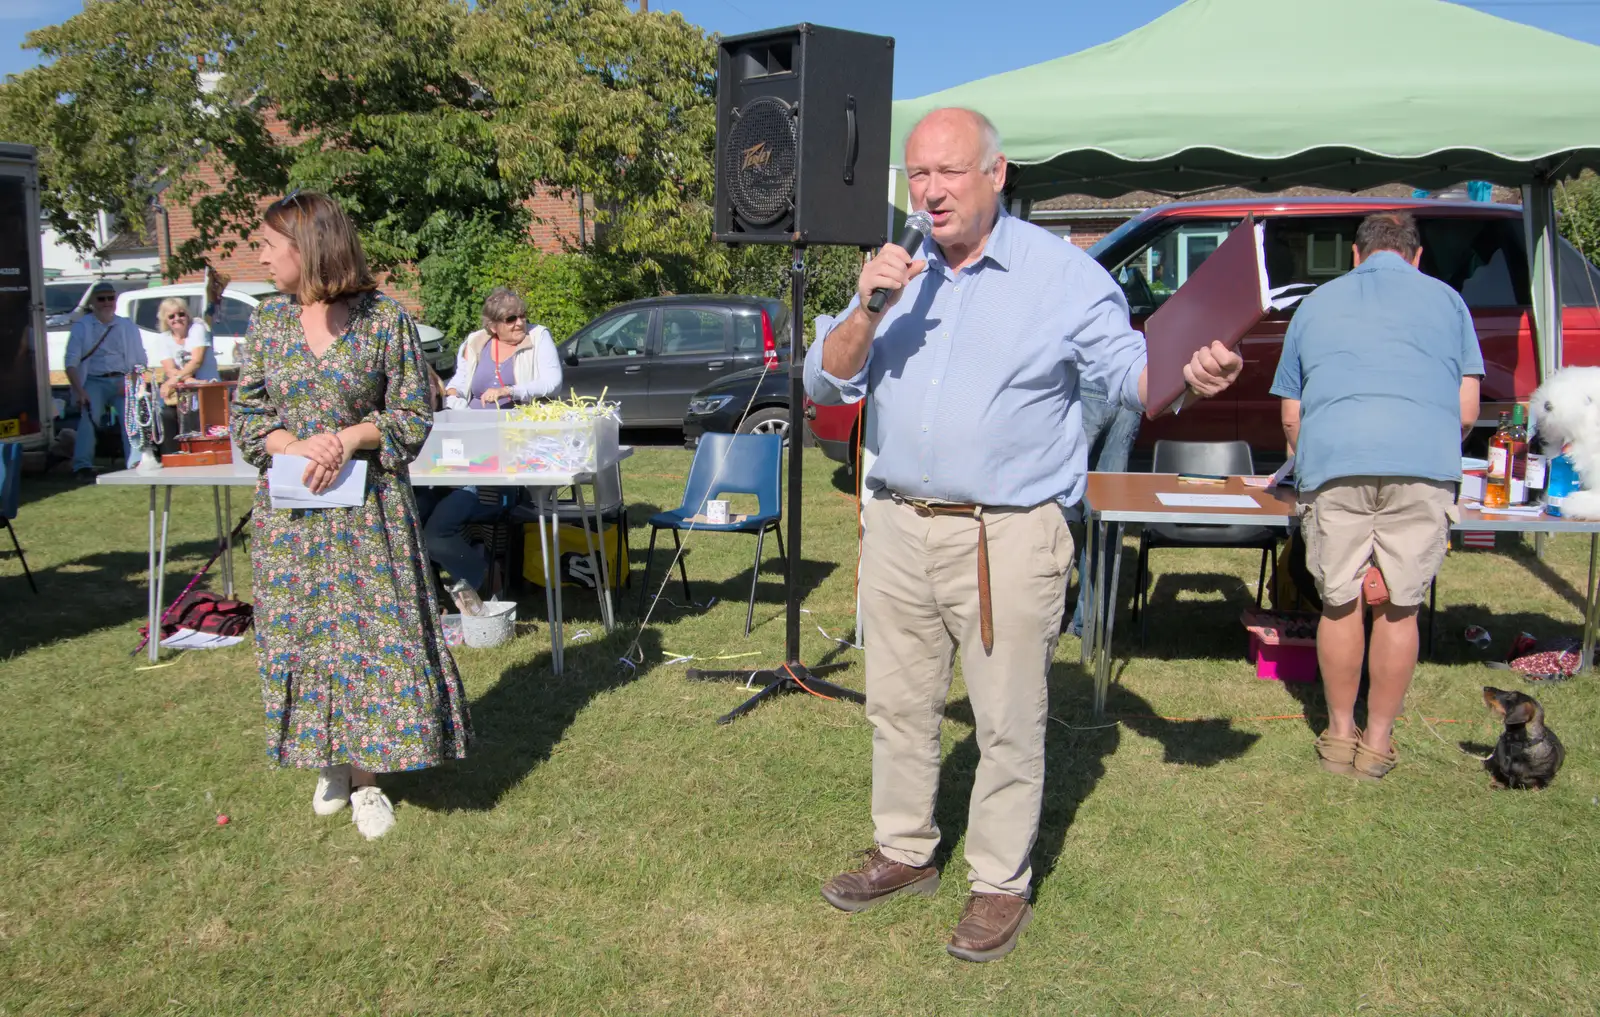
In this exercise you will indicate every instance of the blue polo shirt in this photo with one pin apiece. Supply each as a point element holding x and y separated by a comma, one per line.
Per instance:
<point>1376,358</point>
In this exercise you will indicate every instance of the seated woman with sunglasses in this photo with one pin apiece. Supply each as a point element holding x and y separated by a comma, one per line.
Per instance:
<point>505,363</point>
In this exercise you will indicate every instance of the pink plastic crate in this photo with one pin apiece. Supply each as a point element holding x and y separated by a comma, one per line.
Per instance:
<point>1279,657</point>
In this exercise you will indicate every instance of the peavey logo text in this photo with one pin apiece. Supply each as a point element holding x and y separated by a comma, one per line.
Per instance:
<point>757,156</point>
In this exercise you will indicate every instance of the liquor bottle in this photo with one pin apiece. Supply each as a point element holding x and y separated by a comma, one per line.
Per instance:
<point>1517,455</point>
<point>1497,482</point>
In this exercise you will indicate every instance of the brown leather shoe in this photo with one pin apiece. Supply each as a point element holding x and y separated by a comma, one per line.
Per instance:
<point>989,926</point>
<point>876,881</point>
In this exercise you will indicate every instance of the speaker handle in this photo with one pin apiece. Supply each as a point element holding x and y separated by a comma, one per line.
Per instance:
<point>852,146</point>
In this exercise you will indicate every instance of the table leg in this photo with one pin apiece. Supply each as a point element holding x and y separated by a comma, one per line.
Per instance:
<point>161,577</point>
<point>1086,576</point>
<point>152,614</point>
<point>1589,607</point>
<point>559,635</point>
<point>608,611</point>
<point>550,579</point>
<point>227,541</point>
<point>1102,681</point>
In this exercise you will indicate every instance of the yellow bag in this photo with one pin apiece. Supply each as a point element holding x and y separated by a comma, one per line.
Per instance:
<point>574,556</point>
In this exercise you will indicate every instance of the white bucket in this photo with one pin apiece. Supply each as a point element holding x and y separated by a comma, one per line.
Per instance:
<point>491,628</point>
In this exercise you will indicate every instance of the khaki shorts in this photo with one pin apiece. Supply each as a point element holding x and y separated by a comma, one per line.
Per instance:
<point>1399,524</point>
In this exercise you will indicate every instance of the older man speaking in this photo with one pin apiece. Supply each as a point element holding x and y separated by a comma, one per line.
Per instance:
<point>973,369</point>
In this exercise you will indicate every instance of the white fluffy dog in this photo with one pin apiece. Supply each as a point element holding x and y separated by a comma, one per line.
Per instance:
<point>1566,412</point>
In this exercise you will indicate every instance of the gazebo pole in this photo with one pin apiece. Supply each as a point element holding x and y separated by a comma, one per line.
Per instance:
<point>1544,268</point>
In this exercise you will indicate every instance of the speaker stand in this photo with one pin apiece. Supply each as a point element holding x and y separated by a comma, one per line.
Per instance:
<point>792,675</point>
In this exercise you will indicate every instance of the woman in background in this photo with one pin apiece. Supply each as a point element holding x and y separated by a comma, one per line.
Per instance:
<point>188,347</point>
<point>505,363</point>
<point>355,676</point>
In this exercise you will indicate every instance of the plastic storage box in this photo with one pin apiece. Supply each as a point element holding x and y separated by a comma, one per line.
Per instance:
<point>557,446</point>
<point>1283,644</point>
<point>462,441</point>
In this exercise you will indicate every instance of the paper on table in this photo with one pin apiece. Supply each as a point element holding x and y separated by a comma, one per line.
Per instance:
<point>1208,500</point>
<point>191,639</point>
<point>1280,477</point>
<point>288,489</point>
<point>1510,510</point>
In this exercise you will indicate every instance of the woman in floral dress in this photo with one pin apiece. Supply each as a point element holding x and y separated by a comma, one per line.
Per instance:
<point>355,675</point>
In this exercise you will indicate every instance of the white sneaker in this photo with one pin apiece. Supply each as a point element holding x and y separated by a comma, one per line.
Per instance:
<point>371,812</point>
<point>333,790</point>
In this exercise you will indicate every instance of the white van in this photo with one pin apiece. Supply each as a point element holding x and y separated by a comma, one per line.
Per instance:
<point>229,325</point>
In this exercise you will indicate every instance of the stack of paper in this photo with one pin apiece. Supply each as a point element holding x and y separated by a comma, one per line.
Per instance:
<point>286,484</point>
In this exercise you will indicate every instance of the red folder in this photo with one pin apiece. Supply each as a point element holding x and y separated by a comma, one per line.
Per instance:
<point>1220,301</point>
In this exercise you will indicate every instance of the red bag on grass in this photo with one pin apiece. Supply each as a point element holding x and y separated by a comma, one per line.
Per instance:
<point>206,612</point>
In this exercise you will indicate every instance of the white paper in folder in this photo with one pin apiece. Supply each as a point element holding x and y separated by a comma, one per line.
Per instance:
<point>287,487</point>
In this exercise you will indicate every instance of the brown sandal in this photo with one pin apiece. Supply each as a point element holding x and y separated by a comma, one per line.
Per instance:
<point>1337,755</point>
<point>1370,764</point>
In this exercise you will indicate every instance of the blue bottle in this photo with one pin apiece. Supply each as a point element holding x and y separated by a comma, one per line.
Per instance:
<point>1562,481</point>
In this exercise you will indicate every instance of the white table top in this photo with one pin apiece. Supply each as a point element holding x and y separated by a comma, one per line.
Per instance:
<point>233,475</point>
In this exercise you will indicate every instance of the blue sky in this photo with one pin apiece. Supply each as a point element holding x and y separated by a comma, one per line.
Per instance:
<point>939,43</point>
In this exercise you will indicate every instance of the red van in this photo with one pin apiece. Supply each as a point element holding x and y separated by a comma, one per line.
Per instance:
<point>1478,248</point>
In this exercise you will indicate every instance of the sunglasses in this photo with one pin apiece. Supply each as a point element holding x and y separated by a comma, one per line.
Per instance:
<point>513,319</point>
<point>292,198</point>
<point>176,315</point>
<point>109,298</point>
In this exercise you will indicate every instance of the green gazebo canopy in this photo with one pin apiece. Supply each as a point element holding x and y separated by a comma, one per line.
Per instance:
<point>1269,94</point>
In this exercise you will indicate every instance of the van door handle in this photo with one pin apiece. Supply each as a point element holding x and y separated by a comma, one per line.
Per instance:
<point>715,365</point>
<point>632,369</point>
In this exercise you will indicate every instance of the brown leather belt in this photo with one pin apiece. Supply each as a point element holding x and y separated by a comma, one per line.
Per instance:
<point>929,509</point>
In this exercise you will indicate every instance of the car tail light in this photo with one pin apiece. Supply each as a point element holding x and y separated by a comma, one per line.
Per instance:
<point>769,345</point>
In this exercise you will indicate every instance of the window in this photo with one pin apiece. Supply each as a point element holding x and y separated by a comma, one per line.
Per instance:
<point>686,331</point>
<point>1580,281</point>
<point>1303,253</point>
<point>1157,270</point>
<point>63,298</point>
<point>622,335</point>
<point>747,337</point>
<point>144,313</point>
<point>1481,258</point>
<point>232,317</point>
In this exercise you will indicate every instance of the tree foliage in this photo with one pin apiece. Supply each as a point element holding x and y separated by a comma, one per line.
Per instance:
<point>1578,205</point>
<point>406,110</point>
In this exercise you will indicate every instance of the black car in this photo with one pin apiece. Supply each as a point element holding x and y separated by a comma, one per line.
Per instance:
<point>651,356</point>
<point>722,405</point>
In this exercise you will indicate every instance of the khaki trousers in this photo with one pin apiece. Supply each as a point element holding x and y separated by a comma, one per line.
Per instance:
<point>919,598</point>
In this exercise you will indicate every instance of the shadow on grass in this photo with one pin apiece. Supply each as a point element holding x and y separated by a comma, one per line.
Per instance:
<point>87,594</point>
<point>520,721</point>
<point>1076,749</point>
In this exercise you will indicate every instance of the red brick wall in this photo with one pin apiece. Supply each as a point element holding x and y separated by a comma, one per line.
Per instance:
<point>555,228</point>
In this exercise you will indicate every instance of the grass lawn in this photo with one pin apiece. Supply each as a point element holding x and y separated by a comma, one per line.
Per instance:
<point>608,850</point>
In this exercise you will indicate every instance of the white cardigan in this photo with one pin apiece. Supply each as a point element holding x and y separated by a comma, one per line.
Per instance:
<point>535,368</point>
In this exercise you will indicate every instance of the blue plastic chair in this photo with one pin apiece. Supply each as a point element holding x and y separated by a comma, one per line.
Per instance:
<point>11,496</point>
<point>727,464</point>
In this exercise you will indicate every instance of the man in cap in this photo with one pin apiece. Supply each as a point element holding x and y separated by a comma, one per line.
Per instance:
<point>101,351</point>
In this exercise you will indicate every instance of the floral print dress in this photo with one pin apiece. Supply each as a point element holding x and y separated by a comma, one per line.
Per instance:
<point>353,667</point>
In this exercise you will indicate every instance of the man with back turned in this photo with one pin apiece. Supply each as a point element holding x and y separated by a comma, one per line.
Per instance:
<point>973,369</point>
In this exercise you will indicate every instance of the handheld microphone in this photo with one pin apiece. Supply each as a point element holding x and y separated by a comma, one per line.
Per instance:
<point>918,226</point>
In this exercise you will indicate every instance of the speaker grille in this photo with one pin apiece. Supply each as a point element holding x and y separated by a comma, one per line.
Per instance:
<point>759,163</point>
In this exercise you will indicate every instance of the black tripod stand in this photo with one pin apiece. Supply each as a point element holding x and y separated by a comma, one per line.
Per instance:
<point>791,676</point>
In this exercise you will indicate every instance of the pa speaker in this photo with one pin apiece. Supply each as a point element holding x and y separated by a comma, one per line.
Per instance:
<point>803,137</point>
